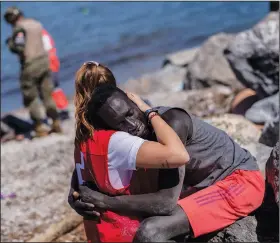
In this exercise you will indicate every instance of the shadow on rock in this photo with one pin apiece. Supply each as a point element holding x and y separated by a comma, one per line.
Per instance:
<point>267,217</point>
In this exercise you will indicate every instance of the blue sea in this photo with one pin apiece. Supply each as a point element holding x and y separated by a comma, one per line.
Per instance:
<point>132,38</point>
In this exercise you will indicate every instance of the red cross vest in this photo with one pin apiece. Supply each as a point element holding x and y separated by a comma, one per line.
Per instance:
<point>91,161</point>
<point>49,46</point>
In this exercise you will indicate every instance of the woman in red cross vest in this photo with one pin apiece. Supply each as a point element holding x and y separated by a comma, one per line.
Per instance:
<point>109,158</point>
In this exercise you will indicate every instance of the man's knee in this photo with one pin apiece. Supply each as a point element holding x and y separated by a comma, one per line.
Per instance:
<point>147,232</point>
<point>29,92</point>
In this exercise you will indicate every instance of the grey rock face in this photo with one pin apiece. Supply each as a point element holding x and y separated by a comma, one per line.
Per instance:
<point>205,102</point>
<point>168,79</point>
<point>254,56</point>
<point>272,171</point>
<point>209,66</point>
<point>181,58</point>
<point>240,129</point>
<point>264,110</point>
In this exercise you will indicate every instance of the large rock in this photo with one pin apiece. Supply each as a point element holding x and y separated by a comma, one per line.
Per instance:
<point>262,226</point>
<point>209,66</point>
<point>205,102</point>
<point>239,128</point>
<point>181,58</point>
<point>254,56</point>
<point>243,230</point>
<point>168,79</point>
<point>272,171</point>
<point>264,110</point>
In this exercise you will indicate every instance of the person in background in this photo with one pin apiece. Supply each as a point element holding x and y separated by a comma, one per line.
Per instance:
<point>35,78</point>
<point>58,95</point>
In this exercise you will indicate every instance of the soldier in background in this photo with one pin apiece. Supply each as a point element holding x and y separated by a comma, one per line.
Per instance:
<point>35,78</point>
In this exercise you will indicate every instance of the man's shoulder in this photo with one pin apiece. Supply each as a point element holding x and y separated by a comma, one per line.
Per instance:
<point>173,112</point>
<point>29,21</point>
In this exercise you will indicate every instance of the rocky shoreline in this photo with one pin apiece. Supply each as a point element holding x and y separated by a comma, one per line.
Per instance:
<point>199,80</point>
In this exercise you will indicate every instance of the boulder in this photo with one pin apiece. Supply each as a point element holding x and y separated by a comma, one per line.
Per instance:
<point>264,110</point>
<point>240,129</point>
<point>205,102</point>
<point>168,79</point>
<point>272,171</point>
<point>181,58</point>
<point>209,66</point>
<point>254,56</point>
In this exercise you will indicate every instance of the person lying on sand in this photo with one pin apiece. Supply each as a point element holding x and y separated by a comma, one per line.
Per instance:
<point>218,186</point>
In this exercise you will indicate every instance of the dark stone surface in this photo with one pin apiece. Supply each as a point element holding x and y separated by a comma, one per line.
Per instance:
<point>254,56</point>
<point>209,66</point>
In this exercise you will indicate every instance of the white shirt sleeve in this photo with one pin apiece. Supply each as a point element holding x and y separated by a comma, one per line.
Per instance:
<point>122,151</point>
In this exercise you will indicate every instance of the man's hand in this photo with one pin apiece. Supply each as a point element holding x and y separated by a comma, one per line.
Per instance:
<point>93,197</point>
<point>87,210</point>
<point>138,101</point>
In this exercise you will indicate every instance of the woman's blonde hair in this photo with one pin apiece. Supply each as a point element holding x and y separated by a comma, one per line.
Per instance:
<point>88,77</point>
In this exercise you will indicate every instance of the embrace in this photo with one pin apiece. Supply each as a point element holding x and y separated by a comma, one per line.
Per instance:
<point>147,174</point>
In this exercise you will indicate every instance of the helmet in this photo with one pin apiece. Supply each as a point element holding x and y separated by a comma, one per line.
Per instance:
<point>12,14</point>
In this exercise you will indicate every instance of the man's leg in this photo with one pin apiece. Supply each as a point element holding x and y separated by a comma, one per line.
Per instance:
<point>46,89</point>
<point>163,228</point>
<point>31,101</point>
<point>7,133</point>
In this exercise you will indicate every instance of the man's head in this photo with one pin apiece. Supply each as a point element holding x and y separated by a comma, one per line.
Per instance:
<point>110,108</point>
<point>12,15</point>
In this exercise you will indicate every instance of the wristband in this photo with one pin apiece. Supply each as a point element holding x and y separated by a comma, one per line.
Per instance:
<point>151,117</point>
<point>147,112</point>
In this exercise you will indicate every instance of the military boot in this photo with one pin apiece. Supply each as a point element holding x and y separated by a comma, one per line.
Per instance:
<point>56,126</point>
<point>41,130</point>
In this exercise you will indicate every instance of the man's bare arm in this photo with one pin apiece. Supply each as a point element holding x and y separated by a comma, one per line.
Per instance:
<point>161,202</point>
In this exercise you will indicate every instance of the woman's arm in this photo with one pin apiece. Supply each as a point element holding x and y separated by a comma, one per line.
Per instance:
<point>168,151</point>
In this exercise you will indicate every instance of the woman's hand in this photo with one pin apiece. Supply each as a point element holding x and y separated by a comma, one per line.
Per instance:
<point>138,101</point>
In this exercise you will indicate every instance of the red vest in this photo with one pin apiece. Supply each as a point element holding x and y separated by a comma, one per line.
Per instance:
<point>50,48</point>
<point>92,165</point>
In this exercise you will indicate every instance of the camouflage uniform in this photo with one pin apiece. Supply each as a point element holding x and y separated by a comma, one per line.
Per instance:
<point>35,77</point>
